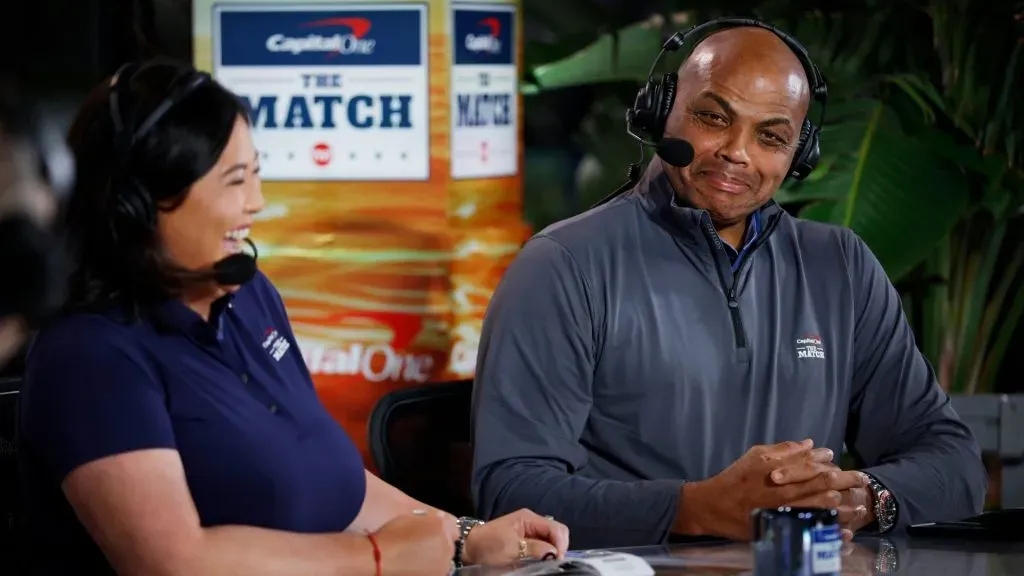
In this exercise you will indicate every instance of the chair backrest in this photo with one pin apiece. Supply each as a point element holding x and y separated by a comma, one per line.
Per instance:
<point>420,443</point>
<point>9,393</point>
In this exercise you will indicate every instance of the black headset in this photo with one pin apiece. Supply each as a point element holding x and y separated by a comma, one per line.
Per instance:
<point>130,201</point>
<point>645,121</point>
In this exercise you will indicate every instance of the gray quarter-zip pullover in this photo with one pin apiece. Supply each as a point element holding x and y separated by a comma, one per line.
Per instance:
<point>622,356</point>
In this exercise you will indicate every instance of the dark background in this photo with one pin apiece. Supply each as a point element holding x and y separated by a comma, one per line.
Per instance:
<point>59,49</point>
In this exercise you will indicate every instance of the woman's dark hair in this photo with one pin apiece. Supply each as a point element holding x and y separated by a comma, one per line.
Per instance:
<point>117,258</point>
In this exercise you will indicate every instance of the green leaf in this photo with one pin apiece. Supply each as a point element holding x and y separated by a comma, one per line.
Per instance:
<point>1004,334</point>
<point>822,211</point>
<point>918,91</point>
<point>610,150</point>
<point>936,306</point>
<point>1001,118</point>
<point>972,340</point>
<point>792,192</point>
<point>945,145</point>
<point>566,17</point>
<point>528,89</point>
<point>996,199</point>
<point>625,55</point>
<point>995,307</point>
<point>896,194</point>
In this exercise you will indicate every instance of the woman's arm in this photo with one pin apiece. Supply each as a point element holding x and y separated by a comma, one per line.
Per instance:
<point>95,412</point>
<point>496,543</point>
<point>138,509</point>
<point>384,503</point>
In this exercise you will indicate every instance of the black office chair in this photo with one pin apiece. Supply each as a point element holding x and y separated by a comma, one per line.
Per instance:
<point>419,443</point>
<point>9,392</point>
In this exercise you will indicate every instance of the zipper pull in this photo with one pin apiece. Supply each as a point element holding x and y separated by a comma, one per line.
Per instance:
<point>732,299</point>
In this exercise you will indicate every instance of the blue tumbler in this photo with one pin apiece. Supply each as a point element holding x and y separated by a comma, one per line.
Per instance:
<point>797,542</point>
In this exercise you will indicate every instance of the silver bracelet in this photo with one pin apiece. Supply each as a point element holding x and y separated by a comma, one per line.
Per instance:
<point>466,525</point>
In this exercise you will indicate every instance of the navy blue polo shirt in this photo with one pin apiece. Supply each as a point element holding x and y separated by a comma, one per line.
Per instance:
<point>232,396</point>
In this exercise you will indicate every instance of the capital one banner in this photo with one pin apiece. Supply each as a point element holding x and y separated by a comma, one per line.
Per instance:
<point>335,93</point>
<point>485,137</point>
<point>391,152</point>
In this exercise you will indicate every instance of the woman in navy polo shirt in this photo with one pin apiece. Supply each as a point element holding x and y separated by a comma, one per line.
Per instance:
<point>169,424</point>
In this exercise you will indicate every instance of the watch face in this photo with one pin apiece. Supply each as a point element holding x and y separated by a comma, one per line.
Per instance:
<point>886,510</point>
<point>467,524</point>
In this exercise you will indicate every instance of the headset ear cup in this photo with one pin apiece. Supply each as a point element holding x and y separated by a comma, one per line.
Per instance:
<point>667,98</point>
<point>132,212</point>
<point>643,115</point>
<point>137,205</point>
<point>807,153</point>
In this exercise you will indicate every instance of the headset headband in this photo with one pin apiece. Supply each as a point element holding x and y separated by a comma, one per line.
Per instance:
<point>818,85</point>
<point>128,196</point>
<point>119,89</point>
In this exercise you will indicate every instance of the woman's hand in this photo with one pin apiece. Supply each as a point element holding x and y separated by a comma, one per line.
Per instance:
<point>417,544</point>
<point>499,542</point>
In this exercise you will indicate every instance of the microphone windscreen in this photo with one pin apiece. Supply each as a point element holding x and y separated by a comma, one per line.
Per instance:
<point>236,269</point>
<point>675,151</point>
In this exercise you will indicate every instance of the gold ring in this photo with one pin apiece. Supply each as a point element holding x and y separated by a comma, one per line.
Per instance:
<point>523,554</point>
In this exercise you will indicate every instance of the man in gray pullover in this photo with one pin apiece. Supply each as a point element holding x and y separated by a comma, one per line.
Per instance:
<point>664,364</point>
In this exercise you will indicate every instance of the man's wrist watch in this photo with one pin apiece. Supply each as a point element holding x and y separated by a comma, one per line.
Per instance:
<point>883,504</point>
<point>466,525</point>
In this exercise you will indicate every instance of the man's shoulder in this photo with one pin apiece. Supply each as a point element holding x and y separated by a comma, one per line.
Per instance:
<point>813,230</point>
<point>812,235</point>
<point>597,229</point>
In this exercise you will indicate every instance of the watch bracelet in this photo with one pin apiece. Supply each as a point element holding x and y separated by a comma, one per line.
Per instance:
<point>466,525</point>
<point>885,519</point>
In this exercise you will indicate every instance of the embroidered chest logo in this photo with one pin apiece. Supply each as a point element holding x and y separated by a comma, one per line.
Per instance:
<point>275,344</point>
<point>809,347</point>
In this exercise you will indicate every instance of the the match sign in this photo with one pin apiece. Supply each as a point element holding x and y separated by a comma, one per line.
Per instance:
<point>335,91</point>
<point>484,87</point>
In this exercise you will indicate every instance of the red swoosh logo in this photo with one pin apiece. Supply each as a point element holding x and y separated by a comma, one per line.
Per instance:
<point>493,24</point>
<point>359,26</point>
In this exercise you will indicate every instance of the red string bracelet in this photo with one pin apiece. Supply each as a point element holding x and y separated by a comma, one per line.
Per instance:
<point>376,553</point>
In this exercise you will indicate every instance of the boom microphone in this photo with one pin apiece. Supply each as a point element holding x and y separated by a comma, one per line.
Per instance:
<point>675,151</point>
<point>237,269</point>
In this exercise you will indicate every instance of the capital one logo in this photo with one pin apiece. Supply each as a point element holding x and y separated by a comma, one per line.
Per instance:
<point>352,42</point>
<point>488,42</point>
<point>810,346</point>
<point>378,362</point>
<point>275,344</point>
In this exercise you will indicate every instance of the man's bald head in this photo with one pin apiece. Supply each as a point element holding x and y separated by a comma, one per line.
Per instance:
<point>747,51</point>
<point>741,100</point>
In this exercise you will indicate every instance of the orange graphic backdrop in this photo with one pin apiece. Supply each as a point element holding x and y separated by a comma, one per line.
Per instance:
<point>386,283</point>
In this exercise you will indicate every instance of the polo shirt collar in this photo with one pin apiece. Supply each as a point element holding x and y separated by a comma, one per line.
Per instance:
<point>174,316</point>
